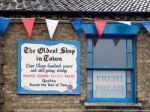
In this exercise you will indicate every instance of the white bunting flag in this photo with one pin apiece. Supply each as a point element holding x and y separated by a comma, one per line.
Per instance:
<point>125,22</point>
<point>51,25</point>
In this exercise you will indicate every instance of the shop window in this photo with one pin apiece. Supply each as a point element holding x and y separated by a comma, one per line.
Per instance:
<point>110,70</point>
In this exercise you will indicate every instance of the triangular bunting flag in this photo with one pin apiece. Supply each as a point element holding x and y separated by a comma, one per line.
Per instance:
<point>4,23</point>
<point>116,41</point>
<point>100,26</point>
<point>125,22</point>
<point>28,24</point>
<point>51,25</point>
<point>77,25</point>
<point>146,24</point>
<point>94,41</point>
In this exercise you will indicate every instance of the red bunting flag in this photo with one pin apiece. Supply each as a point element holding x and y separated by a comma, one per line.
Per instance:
<point>100,26</point>
<point>28,24</point>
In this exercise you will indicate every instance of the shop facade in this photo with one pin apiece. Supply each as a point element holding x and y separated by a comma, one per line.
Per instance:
<point>112,75</point>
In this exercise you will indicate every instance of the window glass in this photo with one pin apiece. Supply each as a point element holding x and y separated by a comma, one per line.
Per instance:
<point>129,87</point>
<point>129,94</point>
<point>107,54</point>
<point>129,60</point>
<point>89,45</point>
<point>89,76</point>
<point>89,58</point>
<point>110,70</point>
<point>129,91</point>
<point>109,84</point>
<point>129,77</point>
<point>89,89</point>
<point>129,45</point>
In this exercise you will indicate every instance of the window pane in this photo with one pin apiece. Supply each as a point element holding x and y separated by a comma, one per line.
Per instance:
<point>129,91</point>
<point>129,60</point>
<point>89,59</point>
<point>109,84</point>
<point>107,54</point>
<point>129,94</point>
<point>129,87</point>
<point>129,45</point>
<point>89,89</point>
<point>89,76</point>
<point>89,45</point>
<point>129,77</point>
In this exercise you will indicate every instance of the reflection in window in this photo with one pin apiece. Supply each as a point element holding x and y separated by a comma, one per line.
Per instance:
<point>106,54</point>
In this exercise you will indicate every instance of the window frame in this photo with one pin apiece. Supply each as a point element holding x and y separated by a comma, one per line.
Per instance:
<point>132,70</point>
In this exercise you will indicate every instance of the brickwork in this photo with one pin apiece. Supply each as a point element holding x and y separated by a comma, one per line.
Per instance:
<point>63,103</point>
<point>1,77</point>
<point>14,102</point>
<point>143,71</point>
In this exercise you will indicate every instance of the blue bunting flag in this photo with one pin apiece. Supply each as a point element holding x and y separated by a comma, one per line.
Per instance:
<point>146,24</point>
<point>4,22</point>
<point>77,25</point>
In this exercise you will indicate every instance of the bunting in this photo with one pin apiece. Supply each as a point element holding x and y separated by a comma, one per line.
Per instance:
<point>4,23</point>
<point>77,25</point>
<point>94,41</point>
<point>97,28</point>
<point>28,24</point>
<point>100,26</point>
<point>51,25</point>
<point>116,41</point>
<point>125,22</point>
<point>146,24</point>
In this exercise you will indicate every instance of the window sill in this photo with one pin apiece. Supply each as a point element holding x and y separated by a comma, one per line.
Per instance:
<point>88,104</point>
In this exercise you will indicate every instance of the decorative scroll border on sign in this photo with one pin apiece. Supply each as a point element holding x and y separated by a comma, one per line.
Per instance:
<point>40,73</point>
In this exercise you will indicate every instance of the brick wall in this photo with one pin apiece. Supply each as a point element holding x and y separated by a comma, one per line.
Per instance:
<point>62,103</point>
<point>1,77</point>
<point>143,69</point>
<point>14,102</point>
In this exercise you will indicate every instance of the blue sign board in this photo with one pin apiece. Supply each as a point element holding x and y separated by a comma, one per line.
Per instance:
<point>48,67</point>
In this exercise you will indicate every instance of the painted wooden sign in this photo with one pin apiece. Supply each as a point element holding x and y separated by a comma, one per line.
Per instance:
<point>48,67</point>
<point>109,84</point>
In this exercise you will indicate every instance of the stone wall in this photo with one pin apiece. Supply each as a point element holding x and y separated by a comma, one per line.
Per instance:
<point>14,102</point>
<point>1,76</point>
<point>143,69</point>
<point>63,103</point>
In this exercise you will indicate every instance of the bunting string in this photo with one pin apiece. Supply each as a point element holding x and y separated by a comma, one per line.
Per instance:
<point>69,20</point>
<point>77,25</point>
